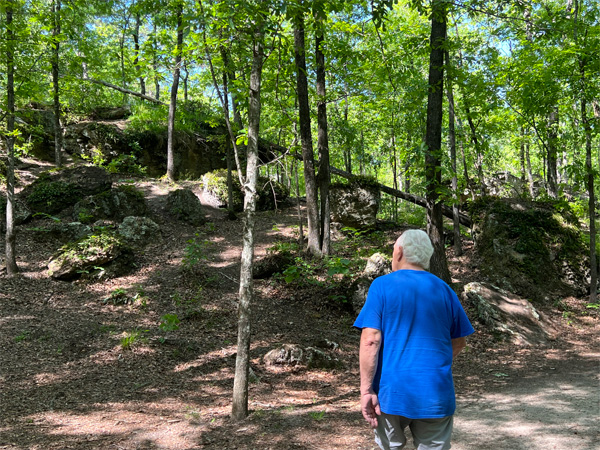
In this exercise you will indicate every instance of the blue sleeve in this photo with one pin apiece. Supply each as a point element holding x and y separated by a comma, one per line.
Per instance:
<point>372,312</point>
<point>461,326</point>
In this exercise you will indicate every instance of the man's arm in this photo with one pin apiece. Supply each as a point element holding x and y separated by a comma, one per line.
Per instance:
<point>458,345</point>
<point>370,343</point>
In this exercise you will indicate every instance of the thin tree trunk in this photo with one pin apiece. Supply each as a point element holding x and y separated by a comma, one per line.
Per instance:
<point>347,149</point>
<point>237,118</point>
<point>239,409</point>
<point>136,61</point>
<point>551,159</point>
<point>478,150</point>
<point>433,140</point>
<point>310,183</point>
<point>590,184</point>
<point>11,262</point>
<point>394,168</point>
<point>323,144</point>
<point>174,88</point>
<point>185,83</point>
<point>529,172</point>
<point>522,155</point>
<point>300,219</point>
<point>452,144</point>
<point>58,135</point>
<point>122,55</point>
<point>155,62</point>
<point>406,175</point>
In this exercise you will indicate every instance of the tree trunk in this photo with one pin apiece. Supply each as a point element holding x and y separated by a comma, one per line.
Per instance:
<point>136,61</point>
<point>452,145</point>
<point>239,409</point>
<point>529,172</point>
<point>11,262</point>
<point>522,155</point>
<point>310,183</point>
<point>185,83</point>
<point>347,149</point>
<point>394,168</point>
<point>478,150</point>
<point>590,184</point>
<point>58,134</point>
<point>124,91</point>
<point>551,159</point>
<point>174,88</point>
<point>433,140</point>
<point>323,144</point>
<point>155,62</point>
<point>230,73</point>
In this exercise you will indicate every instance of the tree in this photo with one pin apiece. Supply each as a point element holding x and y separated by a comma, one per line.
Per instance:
<point>174,87</point>
<point>433,139</point>
<point>452,144</point>
<point>324,177</point>
<point>11,263</point>
<point>242,363</point>
<point>56,31</point>
<point>310,182</point>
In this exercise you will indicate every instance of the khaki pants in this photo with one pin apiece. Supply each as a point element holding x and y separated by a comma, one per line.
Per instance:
<point>428,434</point>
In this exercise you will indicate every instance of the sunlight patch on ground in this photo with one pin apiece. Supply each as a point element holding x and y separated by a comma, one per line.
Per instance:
<point>124,426</point>
<point>540,419</point>
<point>4,320</point>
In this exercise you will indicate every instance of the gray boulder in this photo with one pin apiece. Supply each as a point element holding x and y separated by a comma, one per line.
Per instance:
<point>508,316</point>
<point>354,205</point>
<point>185,206</point>
<point>139,231</point>
<point>377,265</point>
<point>291,355</point>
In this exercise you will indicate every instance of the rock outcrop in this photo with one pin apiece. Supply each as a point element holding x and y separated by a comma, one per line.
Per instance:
<point>507,315</point>
<point>533,249</point>
<point>355,205</point>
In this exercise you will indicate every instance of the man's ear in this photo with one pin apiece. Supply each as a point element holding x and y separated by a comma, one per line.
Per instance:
<point>399,254</point>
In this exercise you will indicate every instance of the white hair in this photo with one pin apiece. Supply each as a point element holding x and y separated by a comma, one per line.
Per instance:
<point>416,246</point>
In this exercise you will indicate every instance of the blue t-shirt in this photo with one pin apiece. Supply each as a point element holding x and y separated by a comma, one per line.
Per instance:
<point>418,316</point>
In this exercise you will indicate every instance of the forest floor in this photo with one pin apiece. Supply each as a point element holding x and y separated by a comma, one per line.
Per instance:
<point>80,372</point>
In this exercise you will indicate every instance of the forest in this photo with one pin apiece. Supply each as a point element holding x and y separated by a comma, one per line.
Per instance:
<point>187,187</point>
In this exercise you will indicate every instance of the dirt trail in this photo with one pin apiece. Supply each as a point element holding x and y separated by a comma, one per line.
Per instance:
<point>557,408</point>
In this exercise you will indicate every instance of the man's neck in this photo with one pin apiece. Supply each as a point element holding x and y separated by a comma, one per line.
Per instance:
<point>405,265</point>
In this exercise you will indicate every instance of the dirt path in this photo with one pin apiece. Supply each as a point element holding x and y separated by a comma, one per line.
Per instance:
<point>67,381</point>
<point>554,408</point>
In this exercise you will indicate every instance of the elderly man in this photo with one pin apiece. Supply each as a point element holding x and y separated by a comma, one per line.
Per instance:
<point>413,325</point>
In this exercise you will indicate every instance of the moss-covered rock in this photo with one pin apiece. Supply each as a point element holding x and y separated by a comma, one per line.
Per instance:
<point>116,203</point>
<point>270,192</point>
<point>101,252</point>
<point>530,248</point>
<point>185,206</point>
<point>56,190</point>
